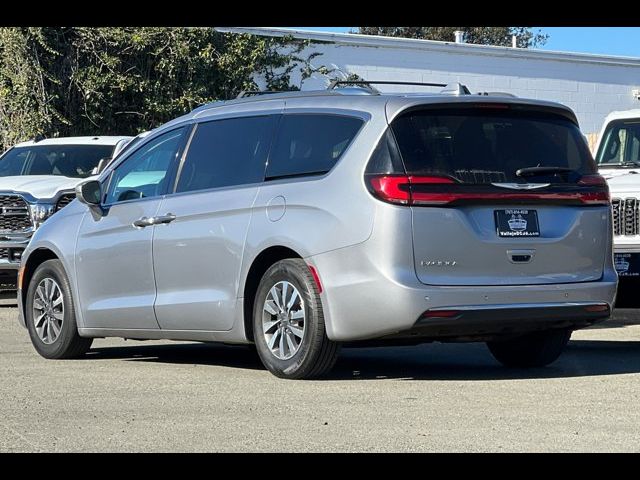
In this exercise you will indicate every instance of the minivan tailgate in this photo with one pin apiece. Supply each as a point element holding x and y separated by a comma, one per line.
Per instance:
<point>461,245</point>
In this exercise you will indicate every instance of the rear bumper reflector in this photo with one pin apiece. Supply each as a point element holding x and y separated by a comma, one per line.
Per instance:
<point>316,277</point>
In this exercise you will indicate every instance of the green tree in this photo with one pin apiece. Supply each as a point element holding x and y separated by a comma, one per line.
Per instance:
<point>479,35</point>
<point>88,81</point>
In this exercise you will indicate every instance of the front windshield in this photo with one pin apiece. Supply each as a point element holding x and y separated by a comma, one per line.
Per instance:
<point>620,145</point>
<point>77,161</point>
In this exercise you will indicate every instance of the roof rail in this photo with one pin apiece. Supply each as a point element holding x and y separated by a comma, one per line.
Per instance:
<point>368,84</point>
<point>254,93</point>
<point>455,89</point>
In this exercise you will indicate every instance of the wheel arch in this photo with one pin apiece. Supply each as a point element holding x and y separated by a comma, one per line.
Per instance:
<point>35,259</point>
<point>259,266</point>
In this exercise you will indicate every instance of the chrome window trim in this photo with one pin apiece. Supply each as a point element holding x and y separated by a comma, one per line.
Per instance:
<point>107,206</point>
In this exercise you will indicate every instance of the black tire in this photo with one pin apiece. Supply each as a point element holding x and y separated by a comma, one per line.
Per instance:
<point>532,350</point>
<point>68,344</point>
<point>316,354</point>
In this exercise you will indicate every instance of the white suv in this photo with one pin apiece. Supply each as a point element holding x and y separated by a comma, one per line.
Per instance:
<point>618,158</point>
<point>38,178</point>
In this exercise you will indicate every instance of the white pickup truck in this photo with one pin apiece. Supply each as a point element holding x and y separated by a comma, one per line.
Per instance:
<point>618,158</point>
<point>38,178</point>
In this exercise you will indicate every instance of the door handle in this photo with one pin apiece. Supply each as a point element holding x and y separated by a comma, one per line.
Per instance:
<point>168,218</point>
<point>143,222</point>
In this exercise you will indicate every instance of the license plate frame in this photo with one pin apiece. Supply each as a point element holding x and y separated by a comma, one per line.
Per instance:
<point>517,223</point>
<point>627,264</point>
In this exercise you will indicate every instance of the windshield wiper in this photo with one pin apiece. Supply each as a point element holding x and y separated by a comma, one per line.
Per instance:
<point>533,171</point>
<point>628,164</point>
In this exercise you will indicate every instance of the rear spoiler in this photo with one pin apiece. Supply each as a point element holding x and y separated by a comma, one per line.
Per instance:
<point>518,105</point>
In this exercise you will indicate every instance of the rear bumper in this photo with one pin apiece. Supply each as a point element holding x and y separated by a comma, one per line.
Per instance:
<point>491,321</point>
<point>365,299</point>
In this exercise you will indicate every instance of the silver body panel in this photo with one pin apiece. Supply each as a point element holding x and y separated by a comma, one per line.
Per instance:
<point>186,280</point>
<point>114,267</point>
<point>43,190</point>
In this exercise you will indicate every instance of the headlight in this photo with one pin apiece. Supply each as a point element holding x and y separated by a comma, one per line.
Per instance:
<point>40,212</point>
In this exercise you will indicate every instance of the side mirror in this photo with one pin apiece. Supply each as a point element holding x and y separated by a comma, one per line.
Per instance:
<point>89,193</point>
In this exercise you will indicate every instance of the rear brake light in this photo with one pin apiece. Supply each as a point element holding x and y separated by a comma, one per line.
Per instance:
<point>501,106</point>
<point>440,313</point>
<point>432,191</point>
<point>391,189</point>
<point>397,188</point>
<point>601,196</point>
<point>594,180</point>
<point>597,308</point>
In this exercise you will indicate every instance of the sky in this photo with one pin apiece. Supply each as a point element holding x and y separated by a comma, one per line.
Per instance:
<point>624,41</point>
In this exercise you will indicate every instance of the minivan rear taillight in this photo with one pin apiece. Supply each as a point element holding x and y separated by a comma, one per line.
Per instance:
<point>397,188</point>
<point>442,191</point>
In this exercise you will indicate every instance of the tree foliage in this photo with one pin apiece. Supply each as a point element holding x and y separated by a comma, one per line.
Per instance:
<point>479,35</point>
<point>88,81</point>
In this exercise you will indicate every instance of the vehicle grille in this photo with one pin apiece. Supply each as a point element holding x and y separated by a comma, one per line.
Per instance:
<point>4,253</point>
<point>14,214</point>
<point>65,200</point>
<point>625,216</point>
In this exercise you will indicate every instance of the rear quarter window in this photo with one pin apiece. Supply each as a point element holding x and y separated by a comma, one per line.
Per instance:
<point>310,144</point>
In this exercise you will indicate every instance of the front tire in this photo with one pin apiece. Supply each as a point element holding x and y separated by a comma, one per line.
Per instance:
<point>532,350</point>
<point>288,323</point>
<point>50,314</point>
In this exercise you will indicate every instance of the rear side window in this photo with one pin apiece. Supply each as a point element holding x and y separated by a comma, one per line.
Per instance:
<point>227,152</point>
<point>310,144</point>
<point>621,144</point>
<point>483,145</point>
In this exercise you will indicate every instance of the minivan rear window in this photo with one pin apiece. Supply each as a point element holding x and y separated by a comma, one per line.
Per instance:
<point>310,144</point>
<point>489,145</point>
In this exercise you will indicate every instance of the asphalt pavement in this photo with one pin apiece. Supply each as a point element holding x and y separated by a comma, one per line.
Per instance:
<point>184,397</point>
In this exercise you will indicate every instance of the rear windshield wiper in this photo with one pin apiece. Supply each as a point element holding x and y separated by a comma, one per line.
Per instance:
<point>533,171</point>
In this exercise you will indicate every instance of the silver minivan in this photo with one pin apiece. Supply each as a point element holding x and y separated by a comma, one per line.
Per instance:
<point>300,221</point>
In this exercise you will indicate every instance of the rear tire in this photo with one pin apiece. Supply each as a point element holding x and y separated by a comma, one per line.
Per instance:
<point>54,333</point>
<point>290,335</point>
<point>532,350</point>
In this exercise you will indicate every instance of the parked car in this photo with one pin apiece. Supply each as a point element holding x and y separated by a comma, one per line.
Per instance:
<point>618,158</point>
<point>618,146</point>
<point>38,178</point>
<point>300,221</point>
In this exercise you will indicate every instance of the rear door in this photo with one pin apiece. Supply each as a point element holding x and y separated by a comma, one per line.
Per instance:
<point>197,254</point>
<point>502,194</point>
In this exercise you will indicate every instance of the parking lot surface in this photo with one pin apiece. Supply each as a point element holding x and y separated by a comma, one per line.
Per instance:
<point>169,396</point>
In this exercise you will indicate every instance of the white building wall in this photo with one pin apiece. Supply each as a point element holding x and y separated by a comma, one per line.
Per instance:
<point>592,85</point>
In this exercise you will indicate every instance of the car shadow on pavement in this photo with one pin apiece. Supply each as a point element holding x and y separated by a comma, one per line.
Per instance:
<point>235,356</point>
<point>473,362</point>
<point>460,362</point>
